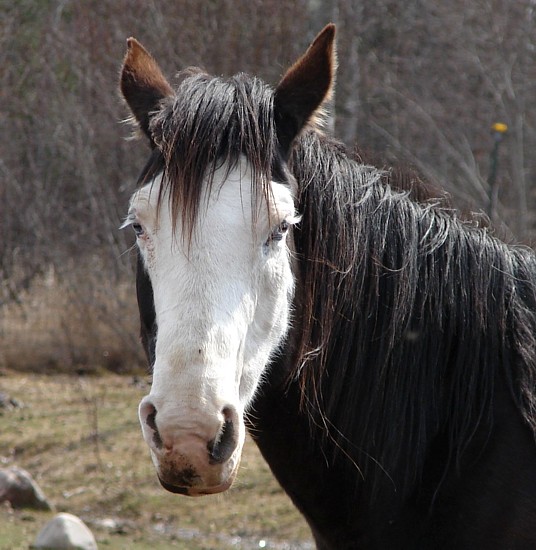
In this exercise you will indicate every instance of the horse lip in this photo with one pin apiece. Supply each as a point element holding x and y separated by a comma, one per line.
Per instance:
<point>173,488</point>
<point>194,492</point>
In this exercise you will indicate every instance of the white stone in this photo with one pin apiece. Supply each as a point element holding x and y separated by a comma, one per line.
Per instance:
<point>65,532</point>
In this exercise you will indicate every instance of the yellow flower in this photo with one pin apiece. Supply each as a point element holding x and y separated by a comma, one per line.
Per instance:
<point>500,127</point>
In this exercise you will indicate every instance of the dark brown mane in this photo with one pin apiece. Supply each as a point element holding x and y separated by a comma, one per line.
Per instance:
<point>404,177</point>
<point>404,310</point>
<point>207,124</point>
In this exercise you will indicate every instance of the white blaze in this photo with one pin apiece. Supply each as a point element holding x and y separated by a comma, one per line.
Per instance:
<point>222,302</point>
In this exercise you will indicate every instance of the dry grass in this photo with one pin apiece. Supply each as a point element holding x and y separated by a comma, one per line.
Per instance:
<point>73,321</point>
<point>79,436</point>
<point>80,439</point>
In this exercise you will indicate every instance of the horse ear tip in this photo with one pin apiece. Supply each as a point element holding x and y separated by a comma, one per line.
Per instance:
<point>133,46</point>
<point>330,29</point>
<point>137,58</point>
<point>325,41</point>
<point>135,50</point>
<point>328,32</point>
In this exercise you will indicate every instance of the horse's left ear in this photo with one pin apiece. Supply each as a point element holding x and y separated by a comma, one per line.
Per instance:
<point>143,84</point>
<point>305,87</point>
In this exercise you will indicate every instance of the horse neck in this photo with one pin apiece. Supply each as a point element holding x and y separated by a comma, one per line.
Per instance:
<point>401,337</point>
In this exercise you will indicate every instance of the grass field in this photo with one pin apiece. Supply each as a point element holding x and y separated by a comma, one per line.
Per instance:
<point>79,437</point>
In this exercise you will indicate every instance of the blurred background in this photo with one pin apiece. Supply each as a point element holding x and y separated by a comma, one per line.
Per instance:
<point>420,82</point>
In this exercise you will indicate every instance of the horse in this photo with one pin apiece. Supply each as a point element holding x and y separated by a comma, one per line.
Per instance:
<point>379,347</point>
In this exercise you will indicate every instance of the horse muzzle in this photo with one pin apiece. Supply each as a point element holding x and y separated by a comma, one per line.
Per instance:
<point>194,454</point>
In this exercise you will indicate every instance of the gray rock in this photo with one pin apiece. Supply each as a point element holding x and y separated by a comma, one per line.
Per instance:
<point>19,488</point>
<point>65,532</point>
<point>9,403</point>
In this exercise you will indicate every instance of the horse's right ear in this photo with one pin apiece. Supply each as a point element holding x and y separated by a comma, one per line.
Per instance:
<point>142,84</point>
<point>305,87</point>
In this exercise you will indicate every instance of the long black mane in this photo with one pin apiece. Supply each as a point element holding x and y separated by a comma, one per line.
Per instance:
<point>409,317</point>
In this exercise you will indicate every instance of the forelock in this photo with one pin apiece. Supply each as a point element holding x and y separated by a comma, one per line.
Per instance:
<point>209,123</point>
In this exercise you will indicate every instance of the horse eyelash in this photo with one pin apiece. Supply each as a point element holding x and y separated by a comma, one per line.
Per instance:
<point>129,220</point>
<point>276,234</point>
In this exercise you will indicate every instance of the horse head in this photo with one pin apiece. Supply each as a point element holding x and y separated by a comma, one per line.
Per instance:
<point>213,220</point>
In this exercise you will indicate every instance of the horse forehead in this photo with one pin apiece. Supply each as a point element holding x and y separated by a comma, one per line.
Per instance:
<point>231,196</point>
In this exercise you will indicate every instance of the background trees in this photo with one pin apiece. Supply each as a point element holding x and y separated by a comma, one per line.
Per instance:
<point>419,81</point>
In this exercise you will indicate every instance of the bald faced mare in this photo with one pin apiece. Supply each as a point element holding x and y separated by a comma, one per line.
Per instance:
<point>381,350</point>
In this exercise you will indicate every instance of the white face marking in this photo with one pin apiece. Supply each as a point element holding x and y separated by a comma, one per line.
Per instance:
<point>222,304</point>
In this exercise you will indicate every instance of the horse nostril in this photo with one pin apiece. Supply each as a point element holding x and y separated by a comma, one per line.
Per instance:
<point>148,414</point>
<point>221,449</point>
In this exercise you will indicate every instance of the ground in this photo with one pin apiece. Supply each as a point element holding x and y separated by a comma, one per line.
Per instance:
<point>80,439</point>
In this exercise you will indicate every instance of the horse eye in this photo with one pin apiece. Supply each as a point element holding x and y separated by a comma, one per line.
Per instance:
<point>138,229</point>
<point>284,226</point>
<point>279,232</point>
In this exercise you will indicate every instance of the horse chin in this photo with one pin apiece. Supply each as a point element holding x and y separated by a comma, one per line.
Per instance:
<point>197,491</point>
<point>190,484</point>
